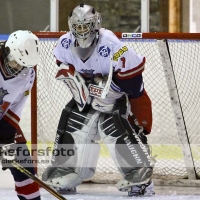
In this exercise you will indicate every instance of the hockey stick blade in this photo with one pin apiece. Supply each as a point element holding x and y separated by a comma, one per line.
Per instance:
<point>37,180</point>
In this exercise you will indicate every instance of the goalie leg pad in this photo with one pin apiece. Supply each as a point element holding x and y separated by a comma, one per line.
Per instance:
<point>55,160</point>
<point>127,150</point>
<point>79,136</point>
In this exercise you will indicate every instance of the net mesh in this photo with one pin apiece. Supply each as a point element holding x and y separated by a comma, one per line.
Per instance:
<point>53,95</point>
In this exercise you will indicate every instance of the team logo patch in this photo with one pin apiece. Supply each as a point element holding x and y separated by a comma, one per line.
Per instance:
<point>104,51</point>
<point>88,72</point>
<point>3,93</point>
<point>66,43</point>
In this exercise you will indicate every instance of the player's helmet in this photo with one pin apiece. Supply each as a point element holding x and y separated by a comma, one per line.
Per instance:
<point>84,22</point>
<point>22,48</point>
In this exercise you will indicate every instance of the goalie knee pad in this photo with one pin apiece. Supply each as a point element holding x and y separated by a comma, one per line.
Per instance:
<point>76,152</point>
<point>126,148</point>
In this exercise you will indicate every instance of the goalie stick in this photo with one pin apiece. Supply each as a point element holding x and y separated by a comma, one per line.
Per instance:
<point>107,86</point>
<point>37,180</point>
<point>98,91</point>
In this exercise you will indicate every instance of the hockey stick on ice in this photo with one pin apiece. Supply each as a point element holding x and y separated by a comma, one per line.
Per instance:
<point>37,180</point>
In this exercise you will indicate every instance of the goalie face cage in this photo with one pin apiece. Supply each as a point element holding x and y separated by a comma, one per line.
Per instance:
<point>171,79</point>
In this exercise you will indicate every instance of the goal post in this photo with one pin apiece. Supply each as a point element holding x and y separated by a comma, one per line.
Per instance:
<point>177,107</point>
<point>171,79</point>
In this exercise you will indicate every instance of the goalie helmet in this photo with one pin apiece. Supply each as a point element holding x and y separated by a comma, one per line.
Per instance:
<point>22,49</point>
<point>84,22</point>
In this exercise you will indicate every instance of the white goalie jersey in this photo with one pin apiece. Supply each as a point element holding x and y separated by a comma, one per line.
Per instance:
<point>125,60</point>
<point>104,56</point>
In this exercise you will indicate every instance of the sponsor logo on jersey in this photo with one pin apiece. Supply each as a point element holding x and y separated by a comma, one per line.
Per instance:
<point>104,51</point>
<point>144,122</point>
<point>119,53</point>
<point>131,35</point>
<point>95,90</point>
<point>66,43</point>
<point>18,136</point>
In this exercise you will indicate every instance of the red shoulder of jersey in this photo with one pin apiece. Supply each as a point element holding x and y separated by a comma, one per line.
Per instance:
<point>132,72</point>
<point>65,70</point>
<point>12,118</point>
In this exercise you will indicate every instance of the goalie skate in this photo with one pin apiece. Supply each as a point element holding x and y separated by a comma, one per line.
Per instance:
<point>61,190</point>
<point>142,190</point>
<point>58,184</point>
<point>67,191</point>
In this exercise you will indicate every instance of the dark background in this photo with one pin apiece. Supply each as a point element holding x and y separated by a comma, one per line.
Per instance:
<point>118,15</point>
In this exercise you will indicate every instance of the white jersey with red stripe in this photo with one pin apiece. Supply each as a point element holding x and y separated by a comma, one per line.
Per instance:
<point>14,91</point>
<point>125,60</point>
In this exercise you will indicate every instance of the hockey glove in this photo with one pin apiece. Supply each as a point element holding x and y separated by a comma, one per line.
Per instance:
<point>122,106</point>
<point>7,155</point>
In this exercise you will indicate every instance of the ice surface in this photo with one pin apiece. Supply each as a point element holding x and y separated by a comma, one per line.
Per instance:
<point>93,191</point>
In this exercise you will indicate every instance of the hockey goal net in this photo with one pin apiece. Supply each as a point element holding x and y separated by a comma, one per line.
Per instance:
<point>171,79</point>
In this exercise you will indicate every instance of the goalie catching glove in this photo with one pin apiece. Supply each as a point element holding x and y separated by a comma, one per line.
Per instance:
<point>75,83</point>
<point>8,151</point>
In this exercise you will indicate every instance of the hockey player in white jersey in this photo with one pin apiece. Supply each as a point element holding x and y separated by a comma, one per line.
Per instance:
<point>109,102</point>
<point>18,55</point>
